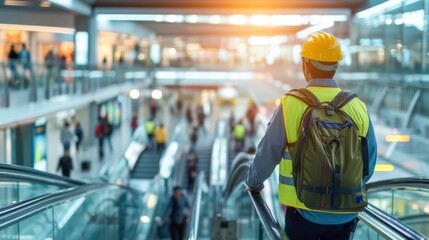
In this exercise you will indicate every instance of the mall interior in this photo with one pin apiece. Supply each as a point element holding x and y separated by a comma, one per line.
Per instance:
<point>106,105</point>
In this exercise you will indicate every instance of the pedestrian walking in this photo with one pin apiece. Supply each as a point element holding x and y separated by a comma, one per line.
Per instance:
<point>134,123</point>
<point>25,57</point>
<point>65,164</point>
<point>13,58</point>
<point>194,138</point>
<point>324,141</point>
<point>66,136</point>
<point>239,136</point>
<point>78,132</point>
<point>175,214</point>
<point>99,134</point>
<point>231,121</point>
<point>189,116</point>
<point>201,117</point>
<point>150,130</point>
<point>108,130</point>
<point>160,138</point>
<point>153,108</point>
<point>192,169</point>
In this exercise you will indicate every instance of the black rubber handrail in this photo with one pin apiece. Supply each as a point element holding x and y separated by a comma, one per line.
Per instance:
<point>398,183</point>
<point>25,209</point>
<point>393,223</point>
<point>26,174</point>
<point>268,221</point>
<point>239,170</point>
<point>238,173</point>
<point>196,209</point>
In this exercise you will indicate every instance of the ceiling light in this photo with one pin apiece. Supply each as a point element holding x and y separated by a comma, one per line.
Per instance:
<point>260,20</point>
<point>192,19</point>
<point>17,3</point>
<point>378,9</point>
<point>45,4</point>
<point>306,32</point>
<point>237,20</point>
<point>215,19</point>
<point>32,28</point>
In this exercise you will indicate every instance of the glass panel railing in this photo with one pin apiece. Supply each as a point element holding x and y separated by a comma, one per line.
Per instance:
<point>20,183</point>
<point>202,211</point>
<point>405,199</point>
<point>94,211</point>
<point>40,81</point>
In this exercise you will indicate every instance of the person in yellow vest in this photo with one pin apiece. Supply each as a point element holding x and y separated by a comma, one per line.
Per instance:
<point>286,143</point>
<point>150,130</point>
<point>160,138</point>
<point>239,132</point>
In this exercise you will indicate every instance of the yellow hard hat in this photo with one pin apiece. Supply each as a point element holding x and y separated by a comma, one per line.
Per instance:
<point>322,47</point>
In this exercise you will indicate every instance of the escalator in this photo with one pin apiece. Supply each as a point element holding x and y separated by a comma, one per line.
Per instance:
<point>147,165</point>
<point>22,183</point>
<point>250,215</point>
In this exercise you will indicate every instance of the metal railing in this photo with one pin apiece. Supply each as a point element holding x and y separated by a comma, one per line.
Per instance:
<point>92,210</point>
<point>25,174</point>
<point>41,81</point>
<point>194,222</point>
<point>379,222</point>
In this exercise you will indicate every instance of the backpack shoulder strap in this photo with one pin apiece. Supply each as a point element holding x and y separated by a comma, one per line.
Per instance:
<point>305,96</point>
<point>342,98</point>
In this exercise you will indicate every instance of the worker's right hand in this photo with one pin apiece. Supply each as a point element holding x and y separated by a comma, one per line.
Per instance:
<point>253,190</point>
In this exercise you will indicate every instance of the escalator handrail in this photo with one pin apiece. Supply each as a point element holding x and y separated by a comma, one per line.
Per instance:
<point>236,179</point>
<point>398,183</point>
<point>269,222</point>
<point>391,222</point>
<point>240,165</point>
<point>21,173</point>
<point>25,209</point>
<point>196,210</point>
<point>274,230</point>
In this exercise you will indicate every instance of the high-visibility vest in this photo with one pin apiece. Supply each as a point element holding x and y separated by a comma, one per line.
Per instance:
<point>293,110</point>
<point>150,127</point>
<point>239,132</point>
<point>160,135</point>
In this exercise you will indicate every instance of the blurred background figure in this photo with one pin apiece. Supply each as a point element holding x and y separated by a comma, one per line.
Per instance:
<point>134,123</point>
<point>189,116</point>
<point>99,134</point>
<point>193,138</point>
<point>66,136</point>
<point>175,214</point>
<point>65,164</point>
<point>239,135</point>
<point>150,130</point>
<point>78,132</point>
<point>108,130</point>
<point>13,61</point>
<point>231,121</point>
<point>251,116</point>
<point>192,170</point>
<point>160,138</point>
<point>25,58</point>
<point>153,108</point>
<point>201,117</point>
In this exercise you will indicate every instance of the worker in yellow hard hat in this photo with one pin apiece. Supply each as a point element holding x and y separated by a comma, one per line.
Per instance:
<point>323,140</point>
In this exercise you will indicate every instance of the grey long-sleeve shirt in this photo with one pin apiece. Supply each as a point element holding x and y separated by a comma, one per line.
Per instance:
<point>269,153</point>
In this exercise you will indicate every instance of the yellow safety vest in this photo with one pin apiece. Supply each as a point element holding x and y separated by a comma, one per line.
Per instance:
<point>239,132</point>
<point>150,127</point>
<point>160,135</point>
<point>293,110</point>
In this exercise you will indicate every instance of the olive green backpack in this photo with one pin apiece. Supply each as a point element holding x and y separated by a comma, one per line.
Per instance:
<point>328,160</point>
